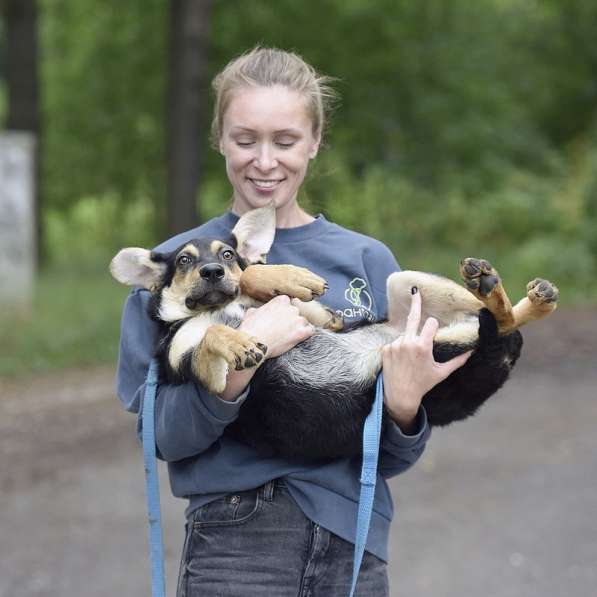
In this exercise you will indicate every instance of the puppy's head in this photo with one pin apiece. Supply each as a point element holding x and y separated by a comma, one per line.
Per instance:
<point>201,274</point>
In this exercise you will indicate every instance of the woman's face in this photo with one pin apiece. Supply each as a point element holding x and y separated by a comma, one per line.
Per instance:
<point>267,140</point>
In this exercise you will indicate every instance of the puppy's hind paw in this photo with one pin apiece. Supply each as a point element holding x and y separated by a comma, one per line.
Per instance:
<point>479,276</point>
<point>541,291</point>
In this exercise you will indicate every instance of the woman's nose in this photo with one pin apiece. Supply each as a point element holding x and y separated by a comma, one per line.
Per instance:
<point>265,159</point>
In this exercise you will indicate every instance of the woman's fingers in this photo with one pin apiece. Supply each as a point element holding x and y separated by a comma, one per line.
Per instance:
<point>429,330</point>
<point>450,366</point>
<point>414,316</point>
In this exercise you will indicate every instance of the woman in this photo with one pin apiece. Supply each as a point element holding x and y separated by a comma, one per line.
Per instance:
<point>256,525</point>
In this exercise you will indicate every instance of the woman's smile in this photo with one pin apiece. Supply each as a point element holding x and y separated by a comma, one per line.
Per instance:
<point>263,185</point>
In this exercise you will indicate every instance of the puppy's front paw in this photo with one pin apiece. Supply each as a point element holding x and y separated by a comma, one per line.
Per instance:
<point>246,352</point>
<point>264,282</point>
<point>223,348</point>
<point>479,276</point>
<point>240,350</point>
<point>300,283</point>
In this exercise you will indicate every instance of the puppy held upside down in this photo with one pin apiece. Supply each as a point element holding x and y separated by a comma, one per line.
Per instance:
<point>311,402</point>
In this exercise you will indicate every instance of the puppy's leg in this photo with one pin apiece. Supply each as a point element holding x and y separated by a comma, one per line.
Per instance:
<point>223,347</point>
<point>320,316</point>
<point>441,298</point>
<point>264,282</point>
<point>484,282</point>
<point>540,301</point>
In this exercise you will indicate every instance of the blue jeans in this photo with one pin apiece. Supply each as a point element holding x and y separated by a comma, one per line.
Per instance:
<point>259,543</point>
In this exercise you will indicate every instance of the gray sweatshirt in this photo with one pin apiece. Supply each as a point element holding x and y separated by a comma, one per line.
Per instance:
<point>203,463</point>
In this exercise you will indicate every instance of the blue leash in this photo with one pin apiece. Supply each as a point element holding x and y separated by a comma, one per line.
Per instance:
<point>371,437</point>
<point>152,484</point>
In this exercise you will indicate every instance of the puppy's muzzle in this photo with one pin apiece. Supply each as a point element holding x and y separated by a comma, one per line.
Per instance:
<point>213,289</point>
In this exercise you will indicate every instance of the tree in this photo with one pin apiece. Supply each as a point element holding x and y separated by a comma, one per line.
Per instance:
<point>187,108</point>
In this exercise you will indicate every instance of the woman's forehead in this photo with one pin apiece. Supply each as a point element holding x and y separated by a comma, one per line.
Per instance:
<point>275,108</point>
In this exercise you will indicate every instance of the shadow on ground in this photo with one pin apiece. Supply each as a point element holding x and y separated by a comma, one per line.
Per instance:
<point>502,505</point>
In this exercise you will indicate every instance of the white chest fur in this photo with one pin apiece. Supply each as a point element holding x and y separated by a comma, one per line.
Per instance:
<point>192,331</point>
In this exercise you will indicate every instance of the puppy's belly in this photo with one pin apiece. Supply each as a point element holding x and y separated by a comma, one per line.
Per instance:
<point>352,358</point>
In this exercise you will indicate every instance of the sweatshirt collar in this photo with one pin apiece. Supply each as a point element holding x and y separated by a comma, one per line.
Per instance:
<point>286,235</point>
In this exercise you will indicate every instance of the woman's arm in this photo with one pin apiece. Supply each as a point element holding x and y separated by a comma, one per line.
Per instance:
<point>409,368</point>
<point>409,372</point>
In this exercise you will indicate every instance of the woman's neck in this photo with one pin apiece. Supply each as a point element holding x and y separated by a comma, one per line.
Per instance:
<point>287,216</point>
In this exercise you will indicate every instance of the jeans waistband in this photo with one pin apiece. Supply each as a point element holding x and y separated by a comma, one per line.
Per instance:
<point>268,490</point>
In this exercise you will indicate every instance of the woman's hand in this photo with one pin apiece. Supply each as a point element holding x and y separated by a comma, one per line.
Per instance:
<point>409,369</point>
<point>278,325</point>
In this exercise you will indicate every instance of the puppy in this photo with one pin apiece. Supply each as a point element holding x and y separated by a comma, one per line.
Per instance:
<point>311,402</point>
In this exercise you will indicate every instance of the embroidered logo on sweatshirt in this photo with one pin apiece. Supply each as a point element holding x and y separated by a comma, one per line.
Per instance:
<point>360,299</point>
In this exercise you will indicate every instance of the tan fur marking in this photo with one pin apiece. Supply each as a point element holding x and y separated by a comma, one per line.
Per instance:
<point>235,272</point>
<point>263,282</point>
<point>215,246</point>
<point>190,248</point>
<point>182,282</point>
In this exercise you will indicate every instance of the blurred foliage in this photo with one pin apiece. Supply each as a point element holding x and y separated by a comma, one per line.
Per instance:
<point>463,128</point>
<point>75,320</point>
<point>103,72</point>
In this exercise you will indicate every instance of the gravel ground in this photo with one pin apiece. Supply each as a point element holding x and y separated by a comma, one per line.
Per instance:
<point>504,505</point>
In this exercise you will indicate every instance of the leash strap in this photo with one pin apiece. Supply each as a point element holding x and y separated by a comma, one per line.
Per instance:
<point>371,438</point>
<point>152,484</point>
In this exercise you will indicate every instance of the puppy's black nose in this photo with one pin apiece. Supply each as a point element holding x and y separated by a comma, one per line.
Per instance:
<point>212,272</point>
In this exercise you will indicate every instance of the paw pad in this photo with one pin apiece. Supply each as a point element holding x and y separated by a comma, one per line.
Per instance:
<point>479,275</point>
<point>542,291</point>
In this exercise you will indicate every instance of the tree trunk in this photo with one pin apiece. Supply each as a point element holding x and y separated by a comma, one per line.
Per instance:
<point>20,18</point>
<point>186,109</point>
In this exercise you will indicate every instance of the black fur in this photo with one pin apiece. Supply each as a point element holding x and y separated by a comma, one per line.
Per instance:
<point>462,393</point>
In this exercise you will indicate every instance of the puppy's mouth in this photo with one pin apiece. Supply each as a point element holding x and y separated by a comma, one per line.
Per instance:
<point>211,298</point>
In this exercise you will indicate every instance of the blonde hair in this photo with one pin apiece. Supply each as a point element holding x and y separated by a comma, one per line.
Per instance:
<point>266,67</point>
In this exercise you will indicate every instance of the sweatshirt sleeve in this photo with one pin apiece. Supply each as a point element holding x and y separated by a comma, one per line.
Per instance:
<point>399,451</point>
<point>188,419</point>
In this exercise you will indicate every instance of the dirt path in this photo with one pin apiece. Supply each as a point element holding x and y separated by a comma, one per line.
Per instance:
<point>501,506</point>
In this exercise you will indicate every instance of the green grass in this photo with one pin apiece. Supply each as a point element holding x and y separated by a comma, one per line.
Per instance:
<point>74,321</point>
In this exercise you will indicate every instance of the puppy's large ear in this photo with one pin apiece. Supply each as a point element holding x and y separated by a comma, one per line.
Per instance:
<point>254,233</point>
<point>138,267</point>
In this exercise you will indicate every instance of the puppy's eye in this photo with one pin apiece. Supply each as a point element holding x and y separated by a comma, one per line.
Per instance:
<point>183,260</point>
<point>228,255</point>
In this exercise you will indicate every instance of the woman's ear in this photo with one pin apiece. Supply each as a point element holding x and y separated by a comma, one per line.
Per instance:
<point>315,145</point>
